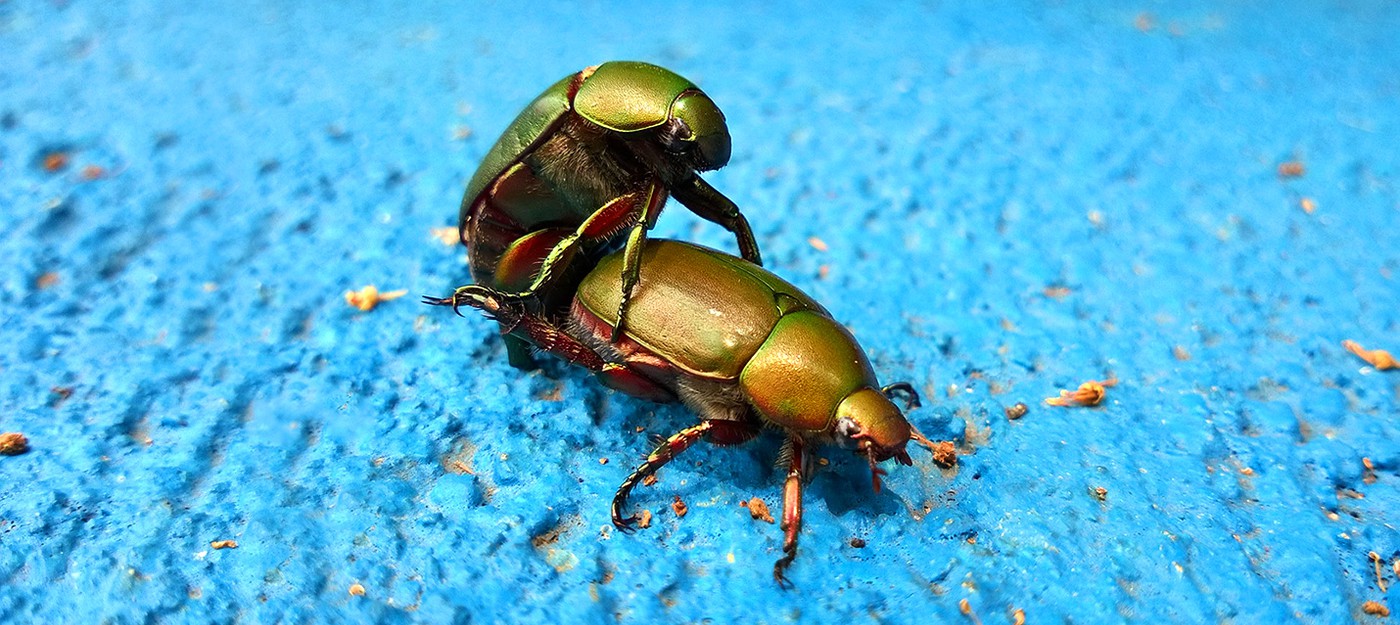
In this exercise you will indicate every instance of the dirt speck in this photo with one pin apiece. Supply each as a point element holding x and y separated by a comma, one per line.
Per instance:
<point>945,454</point>
<point>1016,411</point>
<point>758,509</point>
<point>368,297</point>
<point>13,444</point>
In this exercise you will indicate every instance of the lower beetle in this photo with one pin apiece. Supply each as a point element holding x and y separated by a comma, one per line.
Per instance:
<point>734,342</point>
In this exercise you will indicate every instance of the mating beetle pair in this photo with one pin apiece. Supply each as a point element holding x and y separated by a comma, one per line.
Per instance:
<point>598,153</point>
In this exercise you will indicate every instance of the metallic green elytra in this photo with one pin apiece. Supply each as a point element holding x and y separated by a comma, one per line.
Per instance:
<point>598,153</point>
<point>626,96</point>
<point>718,318</point>
<point>736,343</point>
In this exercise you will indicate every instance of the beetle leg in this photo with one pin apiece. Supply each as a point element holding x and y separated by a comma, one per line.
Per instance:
<point>518,351</point>
<point>665,452</point>
<point>621,212</point>
<point>632,258</point>
<point>711,205</point>
<point>718,431</point>
<point>792,509</point>
<point>911,397</point>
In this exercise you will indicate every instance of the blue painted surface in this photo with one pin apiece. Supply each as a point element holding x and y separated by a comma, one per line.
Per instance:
<point>958,160</point>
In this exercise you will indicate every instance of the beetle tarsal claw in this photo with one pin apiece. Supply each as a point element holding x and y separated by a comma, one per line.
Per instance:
<point>626,525</point>
<point>911,396</point>
<point>443,301</point>
<point>789,554</point>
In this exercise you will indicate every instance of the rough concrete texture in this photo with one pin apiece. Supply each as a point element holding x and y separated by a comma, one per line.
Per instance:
<point>178,352</point>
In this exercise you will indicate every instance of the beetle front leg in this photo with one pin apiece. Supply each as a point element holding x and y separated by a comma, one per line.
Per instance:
<point>792,509</point>
<point>612,217</point>
<point>711,205</point>
<point>632,259</point>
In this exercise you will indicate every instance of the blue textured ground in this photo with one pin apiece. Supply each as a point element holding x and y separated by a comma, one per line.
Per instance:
<point>258,161</point>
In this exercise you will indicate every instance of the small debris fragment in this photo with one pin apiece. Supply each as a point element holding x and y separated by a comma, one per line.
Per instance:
<point>1090,393</point>
<point>818,244</point>
<point>1378,358</point>
<point>1375,608</point>
<point>1100,493</point>
<point>1016,411</point>
<point>1347,493</point>
<point>446,234</point>
<point>1290,169</point>
<point>644,521</point>
<point>92,172</point>
<point>1308,205</point>
<point>1018,617</point>
<point>46,280</point>
<point>1180,353</point>
<point>357,590</point>
<point>649,480</point>
<point>1057,292</point>
<point>602,461</point>
<point>1369,475</point>
<point>13,444</point>
<point>224,544</point>
<point>461,133</point>
<point>1145,22</point>
<point>945,454</point>
<point>55,161</point>
<point>758,509</point>
<point>367,298</point>
<point>966,609</point>
<point>679,507</point>
<point>1376,561</point>
<point>858,543</point>
<point>823,272</point>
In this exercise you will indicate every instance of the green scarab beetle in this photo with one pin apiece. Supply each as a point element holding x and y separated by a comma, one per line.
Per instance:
<point>737,344</point>
<point>597,153</point>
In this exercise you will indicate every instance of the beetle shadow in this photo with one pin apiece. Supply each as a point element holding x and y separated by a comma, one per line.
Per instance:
<point>845,486</point>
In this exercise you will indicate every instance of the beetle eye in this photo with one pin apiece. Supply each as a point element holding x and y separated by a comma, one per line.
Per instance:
<point>677,136</point>
<point>847,431</point>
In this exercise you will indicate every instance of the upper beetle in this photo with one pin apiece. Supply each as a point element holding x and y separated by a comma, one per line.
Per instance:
<point>598,153</point>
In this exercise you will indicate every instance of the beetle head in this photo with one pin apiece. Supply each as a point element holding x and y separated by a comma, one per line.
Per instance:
<point>869,423</point>
<point>696,127</point>
<point>648,103</point>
